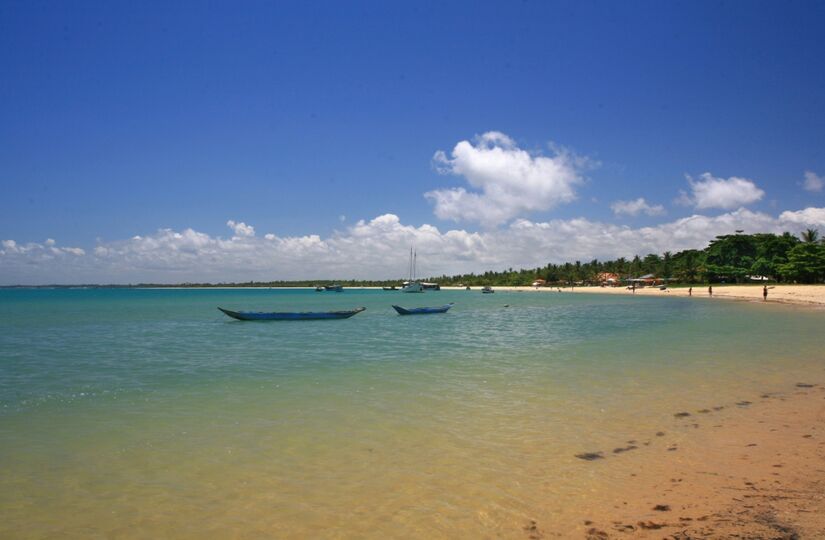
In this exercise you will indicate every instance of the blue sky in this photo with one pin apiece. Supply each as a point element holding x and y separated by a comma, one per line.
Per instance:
<point>300,120</point>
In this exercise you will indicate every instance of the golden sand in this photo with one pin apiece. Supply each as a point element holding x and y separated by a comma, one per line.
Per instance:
<point>811,295</point>
<point>755,470</point>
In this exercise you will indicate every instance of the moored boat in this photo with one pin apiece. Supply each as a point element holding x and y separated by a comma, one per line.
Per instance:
<point>334,288</point>
<point>412,286</point>
<point>422,310</point>
<point>487,290</point>
<point>290,315</point>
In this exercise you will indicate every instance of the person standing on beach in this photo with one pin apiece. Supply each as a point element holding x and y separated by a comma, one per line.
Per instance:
<point>710,290</point>
<point>690,291</point>
<point>765,293</point>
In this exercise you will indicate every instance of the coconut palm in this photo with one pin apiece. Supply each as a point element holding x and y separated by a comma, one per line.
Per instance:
<point>809,236</point>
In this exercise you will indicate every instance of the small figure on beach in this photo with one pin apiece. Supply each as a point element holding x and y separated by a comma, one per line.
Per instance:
<point>690,291</point>
<point>765,293</point>
<point>710,290</point>
<point>634,288</point>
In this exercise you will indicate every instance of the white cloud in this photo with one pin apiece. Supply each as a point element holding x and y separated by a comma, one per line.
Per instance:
<point>511,181</point>
<point>35,251</point>
<point>373,249</point>
<point>813,182</point>
<point>712,192</point>
<point>808,216</point>
<point>241,228</point>
<point>633,208</point>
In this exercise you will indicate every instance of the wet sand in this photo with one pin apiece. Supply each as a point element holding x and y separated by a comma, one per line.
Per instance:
<point>753,469</point>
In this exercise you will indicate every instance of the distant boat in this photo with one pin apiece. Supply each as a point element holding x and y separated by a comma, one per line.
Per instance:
<point>422,310</point>
<point>335,288</point>
<point>290,316</point>
<point>487,290</point>
<point>393,288</point>
<point>412,286</point>
<point>319,289</point>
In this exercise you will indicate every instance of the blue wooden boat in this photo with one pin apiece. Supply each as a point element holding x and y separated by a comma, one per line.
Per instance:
<point>422,310</point>
<point>334,288</point>
<point>290,316</point>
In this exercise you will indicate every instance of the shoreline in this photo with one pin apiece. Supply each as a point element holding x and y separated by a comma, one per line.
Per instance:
<point>799,295</point>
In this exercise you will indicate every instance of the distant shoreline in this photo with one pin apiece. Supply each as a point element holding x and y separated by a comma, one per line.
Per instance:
<point>799,295</point>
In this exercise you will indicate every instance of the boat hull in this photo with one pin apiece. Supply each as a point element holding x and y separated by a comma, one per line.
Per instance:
<point>422,310</point>
<point>290,316</point>
<point>414,287</point>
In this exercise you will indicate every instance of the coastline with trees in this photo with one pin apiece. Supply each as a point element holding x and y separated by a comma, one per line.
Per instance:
<point>729,259</point>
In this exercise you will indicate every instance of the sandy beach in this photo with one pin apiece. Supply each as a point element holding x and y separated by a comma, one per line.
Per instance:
<point>804,295</point>
<point>752,469</point>
<point>696,418</point>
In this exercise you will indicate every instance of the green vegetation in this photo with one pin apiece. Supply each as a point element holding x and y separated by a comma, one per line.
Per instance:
<point>733,258</point>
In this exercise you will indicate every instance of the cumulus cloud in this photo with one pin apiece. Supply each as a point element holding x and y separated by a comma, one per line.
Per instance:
<point>34,251</point>
<point>507,181</point>
<point>375,248</point>
<point>808,216</point>
<point>241,228</point>
<point>712,192</point>
<point>634,208</point>
<point>813,182</point>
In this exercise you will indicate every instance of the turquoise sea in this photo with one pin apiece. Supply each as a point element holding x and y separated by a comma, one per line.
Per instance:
<point>130,413</point>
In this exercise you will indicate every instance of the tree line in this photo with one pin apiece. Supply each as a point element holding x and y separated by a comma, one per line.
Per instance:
<point>732,258</point>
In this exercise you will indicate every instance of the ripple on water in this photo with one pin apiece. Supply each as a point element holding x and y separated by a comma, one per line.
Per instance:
<point>151,409</point>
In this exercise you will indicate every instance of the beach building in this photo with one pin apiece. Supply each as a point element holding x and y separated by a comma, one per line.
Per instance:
<point>647,280</point>
<point>608,279</point>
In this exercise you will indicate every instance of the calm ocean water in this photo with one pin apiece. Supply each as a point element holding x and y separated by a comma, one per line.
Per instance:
<point>147,413</point>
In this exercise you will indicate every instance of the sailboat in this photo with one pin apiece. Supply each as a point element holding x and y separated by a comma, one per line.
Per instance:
<point>412,285</point>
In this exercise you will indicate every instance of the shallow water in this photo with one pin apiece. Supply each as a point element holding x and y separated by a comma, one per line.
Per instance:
<point>148,413</point>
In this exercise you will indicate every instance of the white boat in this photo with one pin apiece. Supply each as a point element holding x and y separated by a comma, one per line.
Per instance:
<point>412,286</point>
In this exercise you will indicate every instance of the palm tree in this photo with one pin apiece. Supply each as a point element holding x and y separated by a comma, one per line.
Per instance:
<point>809,236</point>
<point>667,259</point>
